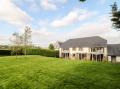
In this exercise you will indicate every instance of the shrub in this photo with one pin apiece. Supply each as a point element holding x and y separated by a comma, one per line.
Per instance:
<point>51,47</point>
<point>30,51</point>
<point>5,52</point>
<point>43,52</point>
<point>17,51</point>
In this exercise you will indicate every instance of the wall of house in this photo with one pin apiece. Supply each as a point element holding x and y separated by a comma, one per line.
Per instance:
<point>84,50</point>
<point>117,59</point>
<point>60,52</point>
<point>73,51</point>
<point>56,46</point>
<point>109,58</point>
<point>105,54</point>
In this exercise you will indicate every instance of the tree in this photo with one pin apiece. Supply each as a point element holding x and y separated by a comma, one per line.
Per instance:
<point>27,37</point>
<point>23,40</point>
<point>115,16</point>
<point>16,43</point>
<point>51,47</point>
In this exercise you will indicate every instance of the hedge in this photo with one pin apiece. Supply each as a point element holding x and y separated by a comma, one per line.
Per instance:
<point>31,51</point>
<point>18,51</point>
<point>5,52</point>
<point>43,52</point>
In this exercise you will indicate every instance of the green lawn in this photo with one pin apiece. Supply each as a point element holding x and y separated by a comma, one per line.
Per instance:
<point>36,72</point>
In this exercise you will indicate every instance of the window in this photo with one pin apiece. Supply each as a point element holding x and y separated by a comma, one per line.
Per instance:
<point>65,49</point>
<point>93,50</point>
<point>73,55</point>
<point>73,49</point>
<point>80,49</point>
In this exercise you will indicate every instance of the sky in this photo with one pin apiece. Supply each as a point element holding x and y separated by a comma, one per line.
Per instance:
<point>57,20</point>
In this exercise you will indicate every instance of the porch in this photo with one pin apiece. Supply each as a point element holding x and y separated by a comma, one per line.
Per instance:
<point>84,56</point>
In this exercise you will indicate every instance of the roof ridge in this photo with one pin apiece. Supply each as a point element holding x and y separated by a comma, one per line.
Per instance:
<point>84,37</point>
<point>113,44</point>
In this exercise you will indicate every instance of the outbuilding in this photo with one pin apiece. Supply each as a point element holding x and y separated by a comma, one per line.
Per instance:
<point>114,52</point>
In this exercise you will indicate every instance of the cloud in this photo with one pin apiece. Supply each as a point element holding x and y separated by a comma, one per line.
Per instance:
<point>4,39</point>
<point>102,1</point>
<point>113,37</point>
<point>72,17</point>
<point>46,4</point>
<point>61,1</point>
<point>42,37</point>
<point>37,5</point>
<point>101,27</point>
<point>41,33</point>
<point>51,4</point>
<point>43,23</point>
<point>92,29</point>
<point>12,14</point>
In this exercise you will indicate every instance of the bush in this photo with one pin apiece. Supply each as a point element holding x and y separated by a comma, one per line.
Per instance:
<point>31,51</point>
<point>5,52</point>
<point>17,52</point>
<point>42,52</point>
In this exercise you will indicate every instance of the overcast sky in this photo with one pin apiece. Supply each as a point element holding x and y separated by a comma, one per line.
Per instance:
<point>57,20</point>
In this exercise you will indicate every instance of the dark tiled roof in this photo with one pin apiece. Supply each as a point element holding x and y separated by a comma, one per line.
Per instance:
<point>114,49</point>
<point>94,41</point>
<point>60,43</point>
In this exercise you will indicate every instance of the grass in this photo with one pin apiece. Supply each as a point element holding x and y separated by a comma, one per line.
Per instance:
<point>36,72</point>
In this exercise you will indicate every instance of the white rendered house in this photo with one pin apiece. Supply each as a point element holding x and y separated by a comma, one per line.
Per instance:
<point>88,48</point>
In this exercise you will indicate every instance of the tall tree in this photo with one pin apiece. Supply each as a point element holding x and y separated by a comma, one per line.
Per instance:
<point>51,47</point>
<point>16,43</point>
<point>21,40</point>
<point>115,16</point>
<point>27,37</point>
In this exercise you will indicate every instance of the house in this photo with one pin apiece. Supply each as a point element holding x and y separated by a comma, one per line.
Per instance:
<point>57,45</point>
<point>114,52</point>
<point>88,48</point>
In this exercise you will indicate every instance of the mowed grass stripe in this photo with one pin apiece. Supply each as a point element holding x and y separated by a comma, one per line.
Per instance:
<point>30,67</point>
<point>37,72</point>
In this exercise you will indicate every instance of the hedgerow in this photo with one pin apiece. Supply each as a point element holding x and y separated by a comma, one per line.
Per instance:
<point>30,51</point>
<point>42,52</point>
<point>5,52</point>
